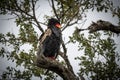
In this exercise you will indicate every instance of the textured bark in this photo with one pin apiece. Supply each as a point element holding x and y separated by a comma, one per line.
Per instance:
<point>103,25</point>
<point>63,70</point>
<point>56,67</point>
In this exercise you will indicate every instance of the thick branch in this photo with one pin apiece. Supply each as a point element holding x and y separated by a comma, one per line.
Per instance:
<point>66,72</point>
<point>103,25</point>
<point>56,67</point>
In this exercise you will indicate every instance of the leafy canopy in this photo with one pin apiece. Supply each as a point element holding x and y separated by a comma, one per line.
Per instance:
<point>100,56</point>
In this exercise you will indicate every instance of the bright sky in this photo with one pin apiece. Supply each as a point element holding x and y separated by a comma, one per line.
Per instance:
<point>9,25</point>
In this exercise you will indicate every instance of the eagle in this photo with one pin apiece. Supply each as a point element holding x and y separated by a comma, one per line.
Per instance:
<point>51,39</point>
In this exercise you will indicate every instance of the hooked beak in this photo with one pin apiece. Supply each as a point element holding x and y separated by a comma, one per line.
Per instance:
<point>58,25</point>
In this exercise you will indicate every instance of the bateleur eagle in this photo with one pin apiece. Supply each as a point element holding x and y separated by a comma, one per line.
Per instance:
<point>51,39</point>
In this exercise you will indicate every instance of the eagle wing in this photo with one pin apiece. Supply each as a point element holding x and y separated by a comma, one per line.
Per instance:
<point>47,33</point>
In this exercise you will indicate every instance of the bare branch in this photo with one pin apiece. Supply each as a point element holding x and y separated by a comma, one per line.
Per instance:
<point>65,57</point>
<point>56,67</point>
<point>53,6</point>
<point>66,72</point>
<point>103,25</point>
<point>34,16</point>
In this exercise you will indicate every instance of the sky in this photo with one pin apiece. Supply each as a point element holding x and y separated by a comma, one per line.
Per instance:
<point>9,25</point>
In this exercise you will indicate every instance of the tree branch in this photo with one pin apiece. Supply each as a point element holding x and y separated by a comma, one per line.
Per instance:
<point>56,67</point>
<point>53,7</point>
<point>68,23</point>
<point>34,16</point>
<point>25,13</point>
<point>66,72</point>
<point>103,25</point>
<point>65,57</point>
<point>20,10</point>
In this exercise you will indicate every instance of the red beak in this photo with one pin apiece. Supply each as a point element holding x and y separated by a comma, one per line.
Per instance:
<point>58,25</point>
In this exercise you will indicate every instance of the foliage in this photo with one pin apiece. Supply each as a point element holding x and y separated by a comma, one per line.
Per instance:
<point>100,56</point>
<point>69,12</point>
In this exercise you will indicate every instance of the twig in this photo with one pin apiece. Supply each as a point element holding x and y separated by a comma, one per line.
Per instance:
<point>53,6</point>
<point>33,8</point>
<point>70,21</point>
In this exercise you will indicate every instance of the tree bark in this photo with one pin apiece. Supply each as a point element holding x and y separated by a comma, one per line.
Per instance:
<point>56,67</point>
<point>103,25</point>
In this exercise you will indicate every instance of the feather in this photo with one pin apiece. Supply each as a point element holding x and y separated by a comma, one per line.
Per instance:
<point>50,40</point>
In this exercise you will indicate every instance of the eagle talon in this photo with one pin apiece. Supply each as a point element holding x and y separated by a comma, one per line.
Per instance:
<point>51,58</point>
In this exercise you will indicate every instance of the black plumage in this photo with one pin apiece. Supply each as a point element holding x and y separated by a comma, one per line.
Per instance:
<point>50,40</point>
